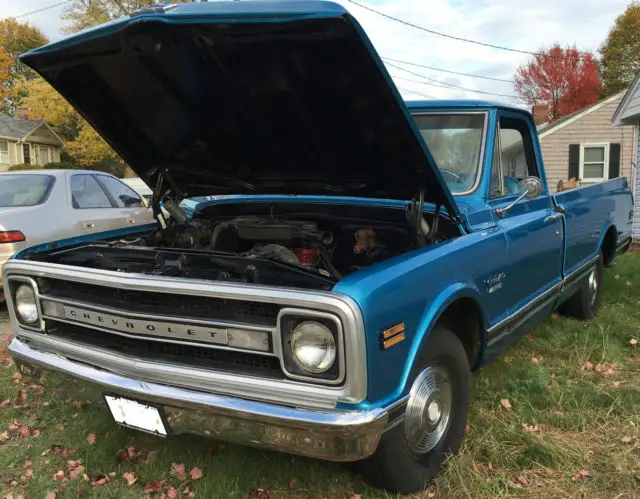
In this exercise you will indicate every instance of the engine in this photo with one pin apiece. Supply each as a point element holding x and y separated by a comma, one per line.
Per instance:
<point>294,242</point>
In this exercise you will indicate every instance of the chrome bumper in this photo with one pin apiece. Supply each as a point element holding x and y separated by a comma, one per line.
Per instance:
<point>330,435</point>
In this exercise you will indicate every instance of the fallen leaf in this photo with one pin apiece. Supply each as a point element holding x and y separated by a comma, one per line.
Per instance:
<point>178,471</point>
<point>265,494</point>
<point>522,480</point>
<point>172,492</point>
<point>50,495</point>
<point>626,439</point>
<point>505,403</point>
<point>25,431</point>
<point>580,474</point>
<point>59,476</point>
<point>77,472</point>
<point>27,464</point>
<point>587,366</point>
<point>5,403</point>
<point>129,477</point>
<point>59,427</point>
<point>99,481</point>
<point>91,438</point>
<point>531,428</point>
<point>35,433</point>
<point>490,467</point>
<point>188,490</point>
<point>535,361</point>
<point>196,474</point>
<point>28,473</point>
<point>467,428</point>
<point>152,487</point>
<point>557,412</point>
<point>633,341</point>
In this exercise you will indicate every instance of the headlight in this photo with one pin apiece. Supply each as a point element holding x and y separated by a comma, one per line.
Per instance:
<point>313,347</point>
<point>25,303</point>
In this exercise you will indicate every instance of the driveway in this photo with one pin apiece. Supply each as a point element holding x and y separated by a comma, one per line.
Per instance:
<point>5,326</point>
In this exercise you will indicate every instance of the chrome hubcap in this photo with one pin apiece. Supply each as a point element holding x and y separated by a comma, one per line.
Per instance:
<point>593,286</point>
<point>428,410</point>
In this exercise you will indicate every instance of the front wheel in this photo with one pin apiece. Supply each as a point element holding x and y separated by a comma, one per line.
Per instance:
<point>411,454</point>
<point>584,304</point>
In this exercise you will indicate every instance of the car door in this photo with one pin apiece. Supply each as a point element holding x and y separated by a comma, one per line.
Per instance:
<point>131,209</point>
<point>93,209</point>
<point>533,228</point>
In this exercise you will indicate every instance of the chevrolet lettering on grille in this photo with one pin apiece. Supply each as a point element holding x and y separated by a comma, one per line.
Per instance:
<point>171,330</point>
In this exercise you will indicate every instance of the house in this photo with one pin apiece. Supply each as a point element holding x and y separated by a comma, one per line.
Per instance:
<point>628,114</point>
<point>27,141</point>
<point>586,145</point>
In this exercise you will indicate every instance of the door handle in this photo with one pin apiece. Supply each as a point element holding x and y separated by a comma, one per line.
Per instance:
<point>89,225</point>
<point>553,217</point>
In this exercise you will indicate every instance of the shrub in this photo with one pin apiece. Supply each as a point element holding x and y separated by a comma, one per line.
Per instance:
<point>25,167</point>
<point>59,165</point>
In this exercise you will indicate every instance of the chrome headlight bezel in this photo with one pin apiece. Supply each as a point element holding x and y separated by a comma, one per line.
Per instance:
<point>13,285</point>
<point>288,321</point>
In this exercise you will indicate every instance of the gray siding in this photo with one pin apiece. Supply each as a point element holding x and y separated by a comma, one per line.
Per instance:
<point>595,126</point>
<point>636,190</point>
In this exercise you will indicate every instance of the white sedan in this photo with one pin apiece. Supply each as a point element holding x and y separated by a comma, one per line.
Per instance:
<point>39,206</point>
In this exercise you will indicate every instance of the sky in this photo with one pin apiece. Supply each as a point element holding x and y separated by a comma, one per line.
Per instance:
<point>521,24</point>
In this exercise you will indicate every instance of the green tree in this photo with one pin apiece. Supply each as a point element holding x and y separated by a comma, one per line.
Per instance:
<point>620,53</point>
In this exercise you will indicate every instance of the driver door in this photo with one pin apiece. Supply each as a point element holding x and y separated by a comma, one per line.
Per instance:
<point>533,229</point>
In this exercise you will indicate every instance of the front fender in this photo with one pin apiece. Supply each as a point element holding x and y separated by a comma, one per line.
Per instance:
<point>432,313</point>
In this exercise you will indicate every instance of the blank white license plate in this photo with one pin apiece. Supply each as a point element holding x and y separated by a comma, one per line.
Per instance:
<point>136,415</point>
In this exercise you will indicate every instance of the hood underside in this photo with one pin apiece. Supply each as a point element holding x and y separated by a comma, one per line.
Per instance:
<point>246,97</point>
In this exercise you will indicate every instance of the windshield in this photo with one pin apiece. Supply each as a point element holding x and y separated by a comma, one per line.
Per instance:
<point>455,141</point>
<point>24,190</point>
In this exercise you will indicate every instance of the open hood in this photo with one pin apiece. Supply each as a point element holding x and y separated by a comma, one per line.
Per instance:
<point>246,97</point>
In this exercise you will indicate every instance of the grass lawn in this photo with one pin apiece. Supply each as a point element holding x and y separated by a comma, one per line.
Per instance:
<point>558,415</point>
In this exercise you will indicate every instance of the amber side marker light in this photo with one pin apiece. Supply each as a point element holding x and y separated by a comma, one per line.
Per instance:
<point>393,335</point>
<point>11,236</point>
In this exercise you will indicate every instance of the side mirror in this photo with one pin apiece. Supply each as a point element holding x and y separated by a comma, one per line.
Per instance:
<point>529,187</point>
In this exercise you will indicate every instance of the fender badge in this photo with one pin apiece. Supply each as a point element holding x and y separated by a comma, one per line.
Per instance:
<point>392,336</point>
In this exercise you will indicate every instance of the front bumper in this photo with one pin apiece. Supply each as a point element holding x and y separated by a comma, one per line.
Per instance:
<point>331,435</point>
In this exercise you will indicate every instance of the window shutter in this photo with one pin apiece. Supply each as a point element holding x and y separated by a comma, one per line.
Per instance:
<point>574,161</point>
<point>614,160</point>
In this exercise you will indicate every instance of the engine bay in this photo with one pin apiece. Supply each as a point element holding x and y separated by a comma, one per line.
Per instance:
<point>301,245</point>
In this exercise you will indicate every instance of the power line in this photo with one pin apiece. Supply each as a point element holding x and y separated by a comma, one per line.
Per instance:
<point>415,93</point>
<point>448,85</point>
<point>446,70</point>
<point>445,35</point>
<point>41,10</point>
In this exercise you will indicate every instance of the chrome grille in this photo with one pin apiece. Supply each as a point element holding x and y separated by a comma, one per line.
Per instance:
<point>188,355</point>
<point>148,302</point>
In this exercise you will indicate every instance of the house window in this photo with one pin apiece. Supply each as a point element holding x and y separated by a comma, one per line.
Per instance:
<point>594,159</point>
<point>4,151</point>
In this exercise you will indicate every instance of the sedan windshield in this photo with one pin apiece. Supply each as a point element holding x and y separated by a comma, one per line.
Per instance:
<point>24,190</point>
<point>455,142</point>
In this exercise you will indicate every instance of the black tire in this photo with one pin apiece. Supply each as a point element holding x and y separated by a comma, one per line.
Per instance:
<point>394,467</point>
<point>584,304</point>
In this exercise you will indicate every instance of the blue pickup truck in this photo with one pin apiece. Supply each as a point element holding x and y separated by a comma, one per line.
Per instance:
<point>336,261</point>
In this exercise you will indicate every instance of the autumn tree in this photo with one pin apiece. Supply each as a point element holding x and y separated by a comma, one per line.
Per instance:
<point>620,53</point>
<point>83,14</point>
<point>565,79</point>
<point>15,39</point>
